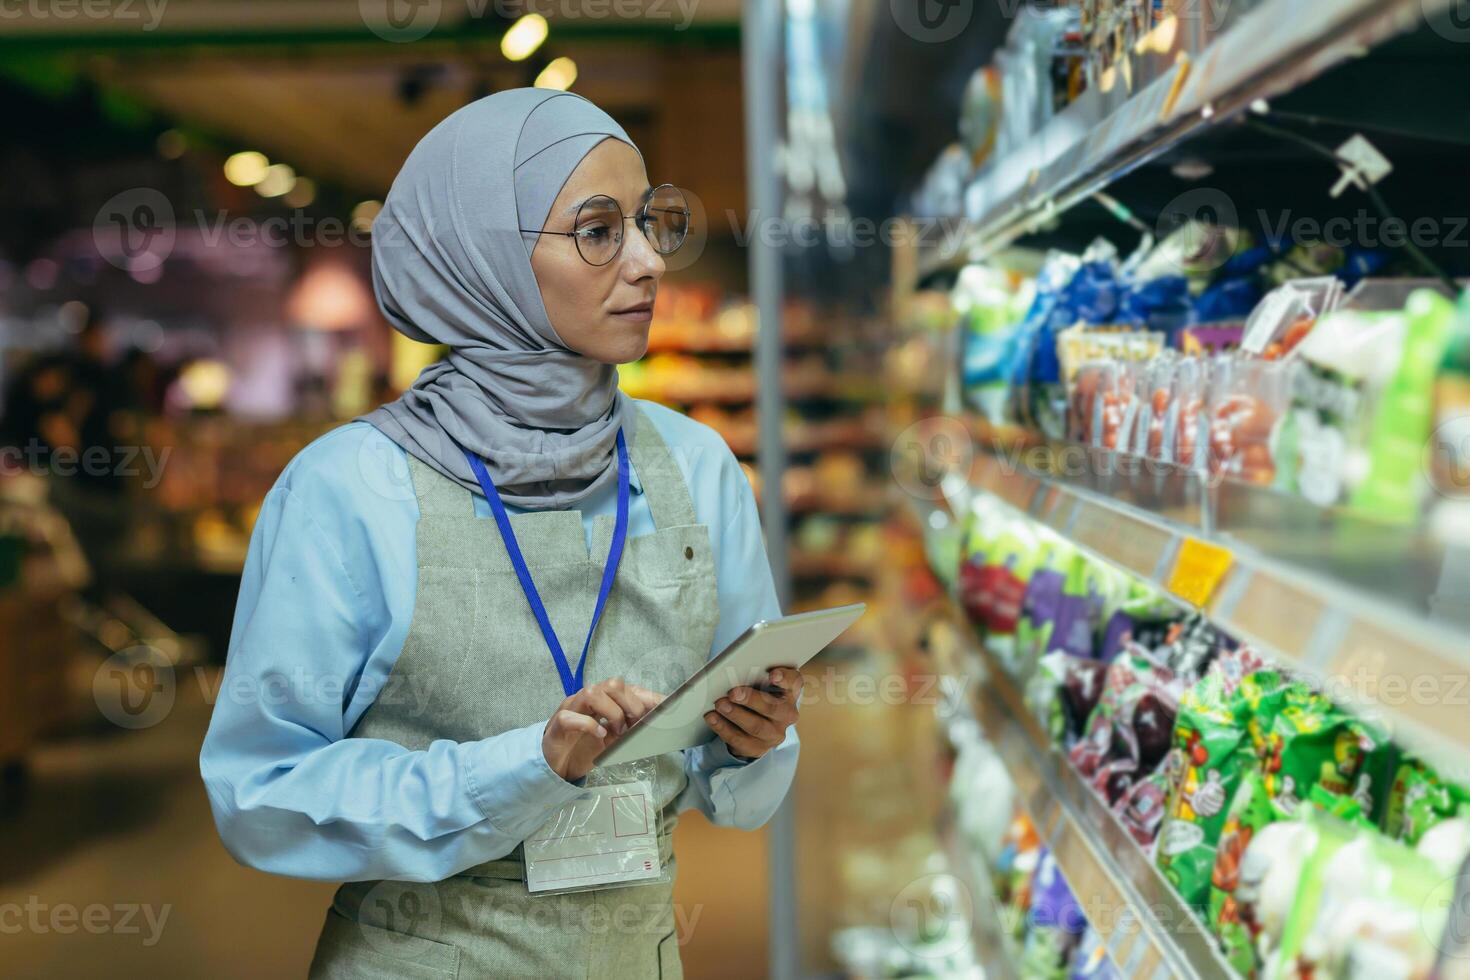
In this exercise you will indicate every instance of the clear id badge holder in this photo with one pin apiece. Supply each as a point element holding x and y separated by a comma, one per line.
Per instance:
<point>605,838</point>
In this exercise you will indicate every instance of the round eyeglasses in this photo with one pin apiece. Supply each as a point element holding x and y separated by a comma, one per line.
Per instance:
<point>598,230</point>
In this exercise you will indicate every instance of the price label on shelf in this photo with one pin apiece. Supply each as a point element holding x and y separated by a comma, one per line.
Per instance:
<point>1199,570</point>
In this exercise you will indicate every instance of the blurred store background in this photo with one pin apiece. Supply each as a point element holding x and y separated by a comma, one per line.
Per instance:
<point>885,196</point>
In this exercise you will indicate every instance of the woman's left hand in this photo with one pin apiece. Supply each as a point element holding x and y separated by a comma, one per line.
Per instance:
<point>752,722</point>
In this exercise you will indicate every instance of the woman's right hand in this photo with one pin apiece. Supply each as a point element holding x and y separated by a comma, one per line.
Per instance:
<point>590,721</point>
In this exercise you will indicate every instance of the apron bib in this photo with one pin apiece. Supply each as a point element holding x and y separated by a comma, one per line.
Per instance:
<point>475,647</point>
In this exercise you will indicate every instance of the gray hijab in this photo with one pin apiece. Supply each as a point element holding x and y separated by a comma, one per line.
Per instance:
<point>450,266</point>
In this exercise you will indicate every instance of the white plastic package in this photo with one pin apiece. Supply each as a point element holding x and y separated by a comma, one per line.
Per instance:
<point>608,837</point>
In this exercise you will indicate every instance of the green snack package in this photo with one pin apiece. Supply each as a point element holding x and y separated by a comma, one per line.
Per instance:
<point>1375,776</point>
<point>1212,750</point>
<point>1418,800</point>
<point>1394,487</point>
<point>1235,888</point>
<point>1310,742</point>
<point>1344,808</point>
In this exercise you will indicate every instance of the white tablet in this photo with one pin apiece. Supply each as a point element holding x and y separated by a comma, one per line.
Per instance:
<point>678,721</point>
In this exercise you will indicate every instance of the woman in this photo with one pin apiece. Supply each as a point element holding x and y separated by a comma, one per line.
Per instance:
<point>392,710</point>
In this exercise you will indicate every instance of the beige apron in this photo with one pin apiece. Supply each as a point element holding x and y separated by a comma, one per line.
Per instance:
<point>475,646</point>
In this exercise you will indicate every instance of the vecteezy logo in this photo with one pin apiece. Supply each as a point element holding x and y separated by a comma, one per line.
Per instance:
<point>1211,218</point>
<point>932,21</point>
<point>664,669</point>
<point>134,230</point>
<point>1452,24</point>
<point>384,468</point>
<point>931,917</point>
<point>400,21</point>
<point>1447,458</point>
<point>927,452</point>
<point>134,688</point>
<point>1445,917</point>
<point>696,239</point>
<point>394,913</point>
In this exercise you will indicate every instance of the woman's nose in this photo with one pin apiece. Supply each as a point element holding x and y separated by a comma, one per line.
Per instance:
<point>640,258</point>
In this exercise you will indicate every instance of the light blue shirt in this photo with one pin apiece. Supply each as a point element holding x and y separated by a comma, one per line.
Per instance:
<point>325,603</point>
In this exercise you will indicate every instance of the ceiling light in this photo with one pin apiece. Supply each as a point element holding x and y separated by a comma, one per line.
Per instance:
<point>302,194</point>
<point>246,169</point>
<point>363,215</point>
<point>278,180</point>
<point>560,75</point>
<point>171,144</point>
<point>524,37</point>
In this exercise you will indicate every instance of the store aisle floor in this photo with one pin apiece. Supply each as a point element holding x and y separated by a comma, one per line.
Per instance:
<point>113,868</point>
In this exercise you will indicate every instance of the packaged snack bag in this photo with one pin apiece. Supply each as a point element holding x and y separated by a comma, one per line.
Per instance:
<point>1418,800</point>
<point>1141,810</point>
<point>1143,615</point>
<point>1362,407</point>
<point>1091,296</point>
<point>1056,923</point>
<point>1375,777</point>
<point>1190,647</point>
<point>1237,289</point>
<point>1128,734</point>
<point>1157,406</point>
<point>1056,273</point>
<point>1247,399</point>
<point>1184,440</point>
<point>1270,873</point>
<point>1063,693</point>
<point>1394,487</point>
<point>1159,305</point>
<point>1365,907</point>
<point>984,527</point>
<point>1446,845</point>
<point>1346,360</point>
<point>1235,884</point>
<point>1233,664</point>
<point>1450,449</point>
<point>1043,598</point>
<point>1085,388</point>
<point>1211,740</point>
<point>1309,742</point>
<point>1079,608</point>
<point>1015,864</point>
<point>990,308</point>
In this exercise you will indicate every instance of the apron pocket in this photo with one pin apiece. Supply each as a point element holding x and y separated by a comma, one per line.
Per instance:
<point>350,950</point>
<point>669,965</point>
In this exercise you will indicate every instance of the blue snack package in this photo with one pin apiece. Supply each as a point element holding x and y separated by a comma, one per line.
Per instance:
<point>1161,304</point>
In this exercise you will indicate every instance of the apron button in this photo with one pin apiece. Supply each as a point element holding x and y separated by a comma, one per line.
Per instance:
<point>689,553</point>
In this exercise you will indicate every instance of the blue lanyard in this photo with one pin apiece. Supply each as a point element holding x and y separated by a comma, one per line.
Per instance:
<point>571,682</point>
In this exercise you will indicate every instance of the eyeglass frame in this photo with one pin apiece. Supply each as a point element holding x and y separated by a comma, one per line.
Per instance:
<point>642,212</point>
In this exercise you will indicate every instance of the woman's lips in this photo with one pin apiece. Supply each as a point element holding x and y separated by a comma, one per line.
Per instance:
<point>636,314</point>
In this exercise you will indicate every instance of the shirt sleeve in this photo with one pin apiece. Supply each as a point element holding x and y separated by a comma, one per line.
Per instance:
<point>732,793</point>
<point>290,792</point>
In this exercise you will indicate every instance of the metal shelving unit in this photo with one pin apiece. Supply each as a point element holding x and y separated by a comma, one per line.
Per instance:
<point>1149,931</point>
<point>1352,636</point>
<point>1273,48</point>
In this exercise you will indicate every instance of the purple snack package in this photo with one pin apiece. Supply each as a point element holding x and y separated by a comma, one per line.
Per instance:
<point>1052,902</point>
<point>1043,595</point>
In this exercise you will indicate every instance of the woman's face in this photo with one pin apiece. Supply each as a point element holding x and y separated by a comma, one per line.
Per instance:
<point>602,312</point>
